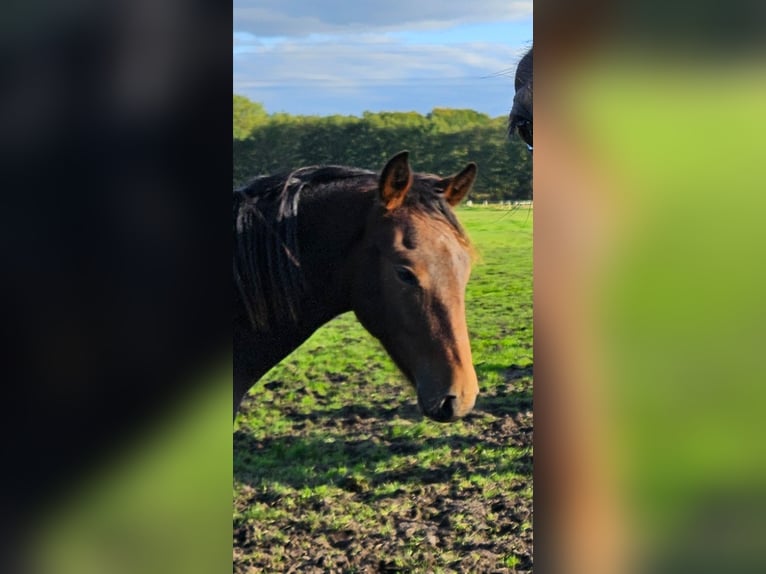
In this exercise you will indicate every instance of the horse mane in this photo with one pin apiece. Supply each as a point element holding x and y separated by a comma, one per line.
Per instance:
<point>267,264</point>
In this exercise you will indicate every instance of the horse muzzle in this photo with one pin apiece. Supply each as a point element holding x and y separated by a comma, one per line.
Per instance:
<point>448,408</point>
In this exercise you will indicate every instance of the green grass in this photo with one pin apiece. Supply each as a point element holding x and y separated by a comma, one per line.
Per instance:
<point>331,438</point>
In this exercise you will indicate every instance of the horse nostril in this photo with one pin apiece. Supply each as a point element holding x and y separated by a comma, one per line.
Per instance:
<point>447,409</point>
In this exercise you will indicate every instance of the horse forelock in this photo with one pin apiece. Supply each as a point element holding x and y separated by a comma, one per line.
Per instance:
<point>427,198</point>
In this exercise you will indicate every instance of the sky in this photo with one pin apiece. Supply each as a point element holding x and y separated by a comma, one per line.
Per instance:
<point>324,57</point>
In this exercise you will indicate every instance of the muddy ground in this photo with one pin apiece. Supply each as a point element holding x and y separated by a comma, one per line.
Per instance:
<point>389,506</point>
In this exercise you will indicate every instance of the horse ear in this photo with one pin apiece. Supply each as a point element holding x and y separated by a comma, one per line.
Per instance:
<point>395,180</point>
<point>459,185</point>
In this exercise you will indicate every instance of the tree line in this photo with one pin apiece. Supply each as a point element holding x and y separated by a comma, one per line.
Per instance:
<point>440,142</point>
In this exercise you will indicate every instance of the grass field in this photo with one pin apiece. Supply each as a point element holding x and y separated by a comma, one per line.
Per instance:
<point>336,470</point>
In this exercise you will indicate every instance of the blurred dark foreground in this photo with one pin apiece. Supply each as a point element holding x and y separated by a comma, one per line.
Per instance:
<point>115,129</point>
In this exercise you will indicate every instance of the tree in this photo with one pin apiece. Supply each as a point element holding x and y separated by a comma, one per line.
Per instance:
<point>247,115</point>
<point>440,142</point>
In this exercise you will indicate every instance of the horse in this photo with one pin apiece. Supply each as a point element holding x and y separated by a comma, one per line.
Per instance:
<point>323,240</point>
<point>520,117</point>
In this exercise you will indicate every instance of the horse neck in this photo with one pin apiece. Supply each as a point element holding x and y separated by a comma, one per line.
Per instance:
<point>331,227</point>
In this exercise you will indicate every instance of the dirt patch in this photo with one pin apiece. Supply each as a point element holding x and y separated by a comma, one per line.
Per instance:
<point>368,489</point>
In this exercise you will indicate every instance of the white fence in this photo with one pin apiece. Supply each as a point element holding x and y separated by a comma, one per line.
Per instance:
<point>507,203</point>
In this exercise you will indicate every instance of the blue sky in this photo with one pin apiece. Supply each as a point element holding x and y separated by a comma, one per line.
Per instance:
<point>345,57</point>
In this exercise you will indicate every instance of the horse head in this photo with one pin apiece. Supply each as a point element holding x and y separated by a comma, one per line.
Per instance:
<point>409,284</point>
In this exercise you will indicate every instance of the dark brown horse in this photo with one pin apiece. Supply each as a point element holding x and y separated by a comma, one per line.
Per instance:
<point>321,241</point>
<point>520,117</point>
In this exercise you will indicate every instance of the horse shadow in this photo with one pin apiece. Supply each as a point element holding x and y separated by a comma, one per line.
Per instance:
<point>358,443</point>
<point>304,462</point>
<point>506,399</point>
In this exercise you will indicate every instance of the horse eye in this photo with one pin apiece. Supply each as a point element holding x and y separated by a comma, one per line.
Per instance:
<point>406,276</point>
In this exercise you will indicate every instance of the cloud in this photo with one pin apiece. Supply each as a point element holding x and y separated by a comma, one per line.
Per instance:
<point>300,18</point>
<point>372,59</point>
<point>348,56</point>
<point>374,73</point>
